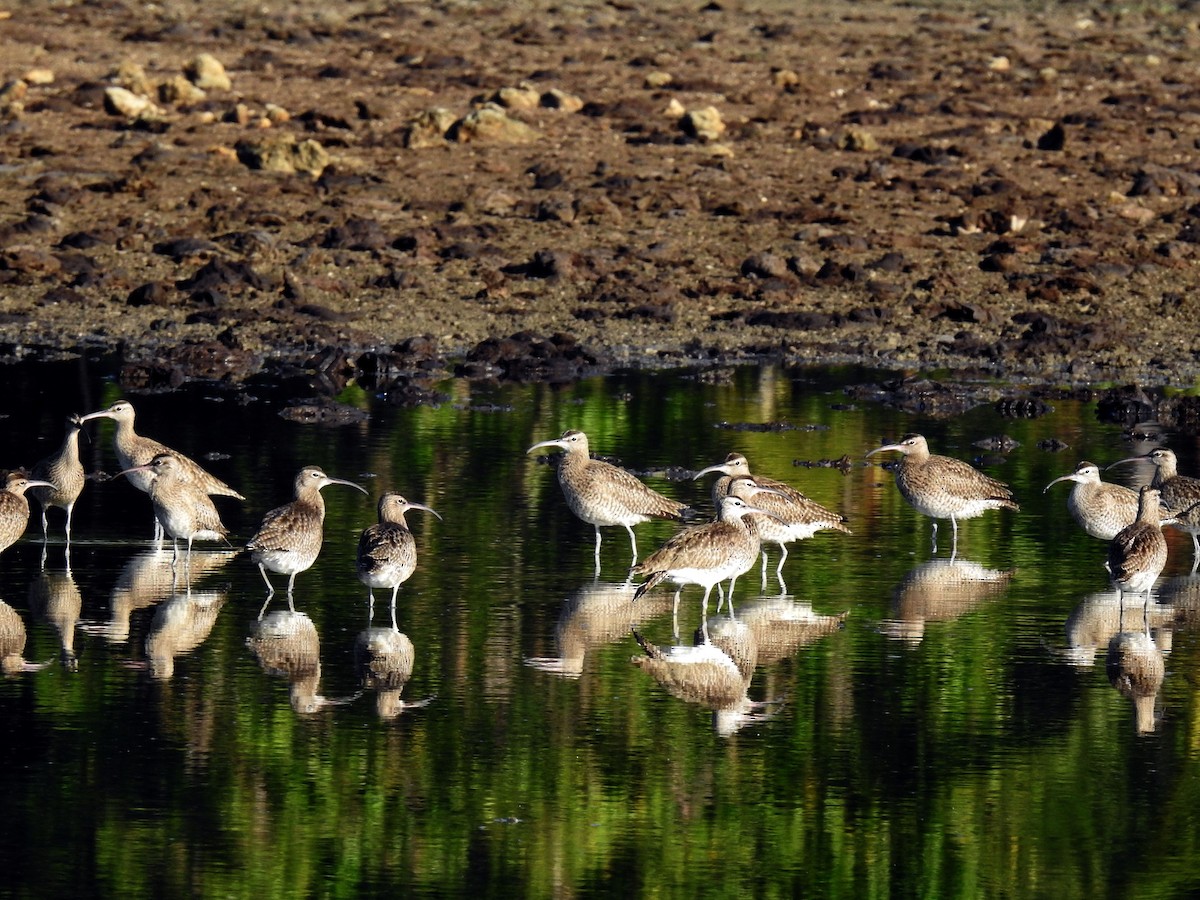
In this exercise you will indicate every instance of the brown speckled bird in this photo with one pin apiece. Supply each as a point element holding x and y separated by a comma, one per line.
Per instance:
<point>182,508</point>
<point>64,470</point>
<point>289,538</point>
<point>1101,509</point>
<point>942,487</point>
<point>14,508</point>
<point>1138,553</point>
<point>704,554</point>
<point>796,516</point>
<point>132,449</point>
<point>602,494</point>
<point>387,552</point>
<point>1180,494</point>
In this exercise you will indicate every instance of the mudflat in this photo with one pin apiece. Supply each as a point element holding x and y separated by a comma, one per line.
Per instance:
<point>207,188</point>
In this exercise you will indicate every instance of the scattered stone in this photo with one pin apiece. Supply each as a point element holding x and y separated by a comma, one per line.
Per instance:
<point>764,265</point>
<point>524,96</point>
<point>207,73</point>
<point>119,101</point>
<point>12,98</point>
<point>179,91</point>
<point>277,115</point>
<point>131,76</point>
<point>428,129</point>
<point>703,124</point>
<point>491,125</point>
<point>785,78</point>
<point>325,412</point>
<point>283,153</point>
<point>1054,139</point>
<point>856,140</point>
<point>561,100</point>
<point>658,80</point>
<point>39,76</point>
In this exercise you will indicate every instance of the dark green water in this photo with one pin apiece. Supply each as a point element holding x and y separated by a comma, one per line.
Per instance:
<point>952,739</point>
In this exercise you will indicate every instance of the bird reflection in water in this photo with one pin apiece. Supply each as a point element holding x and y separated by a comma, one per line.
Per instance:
<point>149,578</point>
<point>286,644</point>
<point>598,613</point>
<point>940,590</point>
<point>180,625</point>
<point>54,597</point>
<point>714,673</point>
<point>781,625</point>
<point>1135,667</point>
<point>383,659</point>
<point>1099,617</point>
<point>12,643</point>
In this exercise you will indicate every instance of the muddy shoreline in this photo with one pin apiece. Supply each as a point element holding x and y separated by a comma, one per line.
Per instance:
<point>386,191</point>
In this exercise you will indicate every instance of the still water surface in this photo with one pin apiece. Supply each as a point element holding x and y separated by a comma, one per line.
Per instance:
<point>899,725</point>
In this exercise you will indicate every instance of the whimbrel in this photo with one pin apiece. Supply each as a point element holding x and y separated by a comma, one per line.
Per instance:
<point>181,507</point>
<point>387,553</point>
<point>132,449</point>
<point>14,508</point>
<point>1180,494</point>
<point>289,538</point>
<point>942,487</point>
<point>602,494</point>
<point>1138,553</point>
<point>1101,509</point>
<point>65,471</point>
<point>796,516</point>
<point>704,554</point>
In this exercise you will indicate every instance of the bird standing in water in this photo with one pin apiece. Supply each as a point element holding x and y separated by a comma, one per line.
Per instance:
<point>387,552</point>
<point>1138,553</point>
<point>132,449</point>
<point>942,487</point>
<point>14,508</point>
<point>65,471</point>
<point>602,494</point>
<point>182,508</point>
<point>1101,509</point>
<point>289,538</point>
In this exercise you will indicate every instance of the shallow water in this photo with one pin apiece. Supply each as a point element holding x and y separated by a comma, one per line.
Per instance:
<point>955,734</point>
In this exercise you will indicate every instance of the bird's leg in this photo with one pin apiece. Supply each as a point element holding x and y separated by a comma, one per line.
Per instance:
<point>44,549</point>
<point>732,582</point>
<point>46,525</point>
<point>704,604</point>
<point>782,585</point>
<point>1195,552</point>
<point>158,532</point>
<point>270,587</point>
<point>266,603</point>
<point>675,615</point>
<point>779,568</point>
<point>597,527</point>
<point>933,538</point>
<point>70,509</point>
<point>632,543</point>
<point>720,596</point>
<point>763,552</point>
<point>395,590</point>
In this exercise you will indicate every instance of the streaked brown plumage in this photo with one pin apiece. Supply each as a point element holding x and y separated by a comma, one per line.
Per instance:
<point>64,470</point>
<point>602,494</point>
<point>387,552</point>
<point>1138,553</point>
<point>796,516</point>
<point>1100,509</point>
<point>1135,667</point>
<point>1179,494</point>
<point>182,508</point>
<point>132,449</point>
<point>14,508</point>
<point>704,554</point>
<point>289,538</point>
<point>942,487</point>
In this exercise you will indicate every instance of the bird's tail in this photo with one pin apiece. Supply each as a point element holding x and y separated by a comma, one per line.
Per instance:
<point>650,649</point>
<point>654,579</point>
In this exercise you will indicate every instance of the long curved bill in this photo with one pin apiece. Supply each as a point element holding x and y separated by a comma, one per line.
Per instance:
<point>1070,477</point>
<point>557,442</point>
<point>428,509</point>
<point>330,480</point>
<point>719,467</point>
<point>1127,459</point>
<point>885,448</point>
